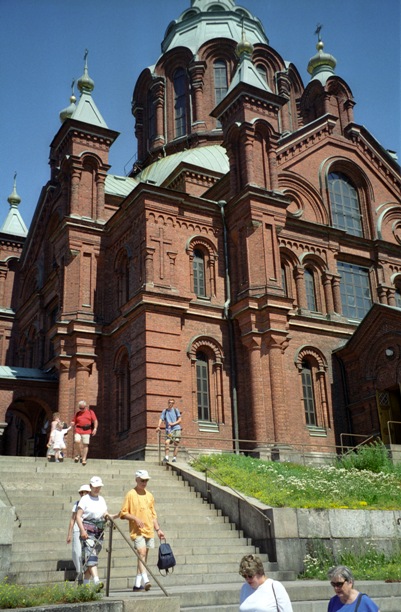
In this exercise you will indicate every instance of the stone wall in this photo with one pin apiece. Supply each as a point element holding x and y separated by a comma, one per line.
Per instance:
<point>7,518</point>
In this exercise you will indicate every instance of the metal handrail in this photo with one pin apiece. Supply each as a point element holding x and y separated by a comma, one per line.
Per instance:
<point>388,427</point>
<point>364,441</point>
<point>296,448</point>
<point>113,525</point>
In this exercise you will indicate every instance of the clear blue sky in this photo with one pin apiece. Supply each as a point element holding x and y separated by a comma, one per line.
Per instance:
<point>42,43</point>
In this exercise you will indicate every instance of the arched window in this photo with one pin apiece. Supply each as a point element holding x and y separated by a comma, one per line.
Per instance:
<point>397,297</point>
<point>345,209</point>
<point>308,393</point>
<point>312,367</point>
<point>123,380</point>
<point>206,359</point>
<point>202,386</point>
<point>310,290</point>
<point>220,82</point>
<point>180,102</point>
<point>198,263</point>
<point>202,261</point>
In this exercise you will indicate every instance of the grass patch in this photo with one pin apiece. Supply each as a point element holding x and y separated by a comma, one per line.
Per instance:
<point>21,596</point>
<point>346,484</point>
<point>366,562</point>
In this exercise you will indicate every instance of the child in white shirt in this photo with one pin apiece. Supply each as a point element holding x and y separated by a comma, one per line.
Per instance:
<point>57,440</point>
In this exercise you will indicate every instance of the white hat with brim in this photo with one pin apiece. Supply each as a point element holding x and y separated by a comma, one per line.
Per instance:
<point>96,481</point>
<point>143,474</point>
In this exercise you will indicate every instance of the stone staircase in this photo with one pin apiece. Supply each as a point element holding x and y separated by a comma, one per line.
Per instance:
<point>206,545</point>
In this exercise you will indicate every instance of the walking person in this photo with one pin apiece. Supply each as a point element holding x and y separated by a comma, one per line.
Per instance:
<point>73,533</point>
<point>347,597</point>
<point>85,423</point>
<point>139,509</point>
<point>260,593</point>
<point>91,519</point>
<point>171,418</point>
<point>57,441</point>
<point>50,449</point>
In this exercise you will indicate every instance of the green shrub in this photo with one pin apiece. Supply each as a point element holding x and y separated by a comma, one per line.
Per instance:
<point>373,457</point>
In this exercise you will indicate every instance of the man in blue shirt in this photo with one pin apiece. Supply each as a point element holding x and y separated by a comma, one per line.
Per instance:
<point>171,418</point>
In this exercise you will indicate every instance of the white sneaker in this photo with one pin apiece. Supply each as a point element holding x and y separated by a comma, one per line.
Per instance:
<point>174,459</point>
<point>166,458</point>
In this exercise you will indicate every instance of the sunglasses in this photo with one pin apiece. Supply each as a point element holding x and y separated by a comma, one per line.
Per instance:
<point>142,480</point>
<point>247,576</point>
<point>338,585</point>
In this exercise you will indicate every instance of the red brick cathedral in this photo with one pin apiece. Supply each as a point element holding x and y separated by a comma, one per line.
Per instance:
<point>249,266</point>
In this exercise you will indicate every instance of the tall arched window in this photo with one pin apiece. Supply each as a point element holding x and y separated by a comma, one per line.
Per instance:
<point>310,290</point>
<point>308,393</point>
<point>220,81</point>
<point>202,386</point>
<point>345,209</point>
<point>180,102</point>
<point>198,263</point>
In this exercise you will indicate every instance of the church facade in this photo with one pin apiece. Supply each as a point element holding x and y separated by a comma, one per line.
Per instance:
<point>249,266</point>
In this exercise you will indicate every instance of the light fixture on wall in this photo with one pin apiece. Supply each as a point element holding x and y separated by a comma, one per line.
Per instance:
<point>389,353</point>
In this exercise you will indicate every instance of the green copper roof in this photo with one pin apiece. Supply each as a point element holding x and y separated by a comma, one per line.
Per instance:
<point>119,185</point>
<point>209,19</point>
<point>212,157</point>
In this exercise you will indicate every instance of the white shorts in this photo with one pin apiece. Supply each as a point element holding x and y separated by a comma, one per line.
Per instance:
<point>84,438</point>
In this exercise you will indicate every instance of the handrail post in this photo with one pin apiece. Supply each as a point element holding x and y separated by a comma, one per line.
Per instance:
<point>109,551</point>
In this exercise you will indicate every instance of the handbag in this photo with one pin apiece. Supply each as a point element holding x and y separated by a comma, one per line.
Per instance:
<point>166,560</point>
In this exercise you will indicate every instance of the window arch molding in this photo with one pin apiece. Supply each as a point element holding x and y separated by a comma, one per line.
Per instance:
<point>312,367</point>
<point>212,356</point>
<point>359,181</point>
<point>210,255</point>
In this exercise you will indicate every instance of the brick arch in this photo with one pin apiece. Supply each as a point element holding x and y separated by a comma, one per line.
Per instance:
<point>306,201</point>
<point>205,342</point>
<point>314,260</point>
<point>310,351</point>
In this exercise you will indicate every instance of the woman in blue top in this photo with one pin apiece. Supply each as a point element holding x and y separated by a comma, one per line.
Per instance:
<point>347,597</point>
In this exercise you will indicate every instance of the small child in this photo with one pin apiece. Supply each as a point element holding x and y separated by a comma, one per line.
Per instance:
<point>50,449</point>
<point>57,439</point>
